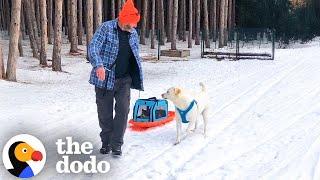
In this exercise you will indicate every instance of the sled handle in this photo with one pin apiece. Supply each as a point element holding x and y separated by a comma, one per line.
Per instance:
<point>152,98</point>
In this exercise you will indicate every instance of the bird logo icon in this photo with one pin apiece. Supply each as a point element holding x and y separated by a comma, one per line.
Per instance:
<point>24,156</point>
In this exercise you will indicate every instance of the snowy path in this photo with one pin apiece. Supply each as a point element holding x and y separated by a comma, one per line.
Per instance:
<point>264,122</point>
<point>253,117</point>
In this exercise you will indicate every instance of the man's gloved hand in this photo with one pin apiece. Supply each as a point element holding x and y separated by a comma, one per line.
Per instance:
<point>101,73</point>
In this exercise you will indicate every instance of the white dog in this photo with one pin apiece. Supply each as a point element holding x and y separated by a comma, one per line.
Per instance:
<point>189,105</point>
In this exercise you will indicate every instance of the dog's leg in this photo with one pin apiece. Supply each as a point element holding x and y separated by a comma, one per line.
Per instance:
<point>205,121</point>
<point>178,125</point>
<point>191,128</point>
<point>192,122</point>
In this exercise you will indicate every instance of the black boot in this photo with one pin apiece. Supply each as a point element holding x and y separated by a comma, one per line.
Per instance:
<point>116,151</point>
<point>105,149</point>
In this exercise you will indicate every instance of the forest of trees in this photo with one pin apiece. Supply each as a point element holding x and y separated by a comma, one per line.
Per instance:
<point>292,19</point>
<point>44,22</point>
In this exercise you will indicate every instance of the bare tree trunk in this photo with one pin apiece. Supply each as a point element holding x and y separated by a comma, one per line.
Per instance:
<point>161,21</point>
<point>97,14</point>
<point>84,17</point>
<point>226,31</point>
<point>50,27</point>
<point>197,35</point>
<point>20,45</point>
<point>7,12</point>
<point>113,9</point>
<point>153,22</point>
<point>73,28</point>
<point>118,6</point>
<point>80,23</point>
<point>21,31</point>
<point>210,9</point>
<point>89,22</point>
<point>144,23</point>
<point>180,20</point>
<point>37,11</point>
<point>69,21</point>
<point>218,18</point>
<point>190,25</point>
<point>2,70</point>
<point>169,25</point>
<point>233,16</point>
<point>14,38</point>
<point>230,15</point>
<point>65,17</point>
<point>148,19</point>
<point>174,25</point>
<point>105,11</point>
<point>184,25</point>
<point>23,24</point>
<point>194,19</point>
<point>56,55</point>
<point>43,17</point>
<point>2,21</point>
<point>36,27</point>
<point>214,19</point>
<point>222,23</point>
<point>33,41</point>
<point>206,23</point>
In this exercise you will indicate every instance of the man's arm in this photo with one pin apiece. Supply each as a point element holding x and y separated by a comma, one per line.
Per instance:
<point>138,38</point>
<point>96,45</point>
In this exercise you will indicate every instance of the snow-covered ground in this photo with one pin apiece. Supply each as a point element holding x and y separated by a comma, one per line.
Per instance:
<point>264,121</point>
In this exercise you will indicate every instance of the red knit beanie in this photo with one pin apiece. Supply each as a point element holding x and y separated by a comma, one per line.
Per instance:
<point>129,14</point>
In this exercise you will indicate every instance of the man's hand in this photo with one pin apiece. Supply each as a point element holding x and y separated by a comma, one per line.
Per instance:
<point>101,73</point>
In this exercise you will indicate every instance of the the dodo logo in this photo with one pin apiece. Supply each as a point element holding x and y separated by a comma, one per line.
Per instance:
<point>24,156</point>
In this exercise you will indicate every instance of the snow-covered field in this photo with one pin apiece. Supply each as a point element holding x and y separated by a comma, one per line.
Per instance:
<point>264,121</point>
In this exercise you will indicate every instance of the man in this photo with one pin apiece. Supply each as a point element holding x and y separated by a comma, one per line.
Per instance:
<point>114,55</point>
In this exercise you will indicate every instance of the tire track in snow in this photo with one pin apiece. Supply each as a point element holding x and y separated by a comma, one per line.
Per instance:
<point>225,83</point>
<point>79,126</point>
<point>165,149</point>
<point>240,96</point>
<point>312,95</point>
<point>260,91</point>
<point>228,159</point>
<point>260,158</point>
<point>242,77</point>
<point>306,167</point>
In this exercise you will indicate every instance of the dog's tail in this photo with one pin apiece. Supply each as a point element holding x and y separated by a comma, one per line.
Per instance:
<point>203,87</point>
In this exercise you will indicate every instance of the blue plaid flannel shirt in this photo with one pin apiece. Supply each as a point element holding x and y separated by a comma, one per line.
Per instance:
<point>103,50</point>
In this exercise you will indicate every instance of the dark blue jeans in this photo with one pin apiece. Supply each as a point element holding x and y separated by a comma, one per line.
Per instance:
<point>113,128</point>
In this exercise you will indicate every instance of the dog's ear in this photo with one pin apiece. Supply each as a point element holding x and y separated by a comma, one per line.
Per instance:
<point>177,91</point>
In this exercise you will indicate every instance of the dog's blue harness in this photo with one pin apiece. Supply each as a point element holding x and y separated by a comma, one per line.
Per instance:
<point>183,113</point>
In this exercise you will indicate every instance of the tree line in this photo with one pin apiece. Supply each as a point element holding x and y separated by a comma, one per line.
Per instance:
<point>46,22</point>
<point>292,19</point>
